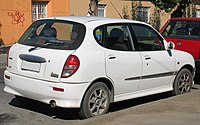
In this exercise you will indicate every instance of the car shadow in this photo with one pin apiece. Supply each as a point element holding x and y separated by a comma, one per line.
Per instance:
<point>197,78</point>
<point>73,114</point>
<point>42,108</point>
<point>138,101</point>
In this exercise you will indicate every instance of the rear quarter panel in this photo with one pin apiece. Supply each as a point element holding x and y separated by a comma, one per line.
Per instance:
<point>92,61</point>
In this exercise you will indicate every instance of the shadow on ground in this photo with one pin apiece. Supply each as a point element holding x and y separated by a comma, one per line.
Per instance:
<point>5,118</point>
<point>138,101</point>
<point>73,114</point>
<point>197,78</point>
<point>60,113</point>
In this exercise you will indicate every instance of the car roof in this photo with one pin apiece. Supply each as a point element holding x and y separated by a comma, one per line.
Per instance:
<point>93,20</point>
<point>189,18</point>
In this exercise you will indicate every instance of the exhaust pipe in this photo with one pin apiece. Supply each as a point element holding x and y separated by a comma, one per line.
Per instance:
<point>52,103</point>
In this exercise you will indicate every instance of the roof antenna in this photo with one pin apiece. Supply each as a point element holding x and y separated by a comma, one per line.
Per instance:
<point>116,10</point>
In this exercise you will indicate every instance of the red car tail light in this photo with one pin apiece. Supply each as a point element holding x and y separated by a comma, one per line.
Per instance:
<point>7,77</point>
<point>58,89</point>
<point>71,66</point>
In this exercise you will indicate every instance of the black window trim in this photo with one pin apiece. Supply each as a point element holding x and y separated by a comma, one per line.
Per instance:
<point>173,22</point>
<point>105,34</point>
<point>137,44</point>
<point>80,38</point>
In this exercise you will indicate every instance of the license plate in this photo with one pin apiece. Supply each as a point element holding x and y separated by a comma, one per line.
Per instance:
<point>30,66</point>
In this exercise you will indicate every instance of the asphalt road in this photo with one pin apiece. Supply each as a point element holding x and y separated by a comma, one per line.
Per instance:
<point>160,109</point>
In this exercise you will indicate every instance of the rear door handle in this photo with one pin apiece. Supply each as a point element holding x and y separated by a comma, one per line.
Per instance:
<point>147,57</point>
<point>111,56</point>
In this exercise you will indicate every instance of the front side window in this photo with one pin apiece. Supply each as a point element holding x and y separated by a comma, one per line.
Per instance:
<point>182,29</point>
<point>54,34</point>
<point>114,36</point>
<point>147,38</point>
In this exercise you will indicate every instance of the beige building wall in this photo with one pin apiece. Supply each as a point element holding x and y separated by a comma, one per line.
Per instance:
<point>118,4</point>
<point>78,7</point>
<point>16,16</point>
<point>58,7</point>
<point>81,9</point>
<point>13,21</point>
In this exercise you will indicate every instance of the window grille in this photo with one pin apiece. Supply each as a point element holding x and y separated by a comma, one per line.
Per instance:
<point>101,10</point>
<point>198,13</point>
<point>39,10</point>
<point>143,14</point>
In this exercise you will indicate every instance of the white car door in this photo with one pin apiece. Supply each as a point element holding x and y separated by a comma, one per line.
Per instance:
<point>158,63</point>
<point>124,68</point>
<point>123,64</point>
<point>158,69</point>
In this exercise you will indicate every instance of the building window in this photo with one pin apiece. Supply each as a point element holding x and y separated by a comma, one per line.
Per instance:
<point>143,14</point>
<point>101,10</point>
<point>198,13</point>
<point>39,10</point>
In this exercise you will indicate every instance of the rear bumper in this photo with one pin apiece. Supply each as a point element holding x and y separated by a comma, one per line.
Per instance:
<point>43,90</point>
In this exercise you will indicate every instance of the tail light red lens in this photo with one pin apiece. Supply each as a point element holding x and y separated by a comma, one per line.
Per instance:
<point>71,66</point>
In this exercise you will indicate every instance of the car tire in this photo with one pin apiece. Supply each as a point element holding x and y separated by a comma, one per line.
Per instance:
<point>96,101</point>
<point>183,82</point>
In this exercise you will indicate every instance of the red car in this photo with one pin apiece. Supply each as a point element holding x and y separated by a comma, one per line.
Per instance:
<point>185,34</point>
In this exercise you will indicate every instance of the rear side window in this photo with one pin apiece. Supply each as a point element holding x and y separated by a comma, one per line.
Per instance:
<point>54,34</point>
<point>182,29</point>
<point>114,37</point>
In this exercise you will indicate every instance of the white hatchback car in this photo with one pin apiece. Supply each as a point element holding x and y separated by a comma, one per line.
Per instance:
<point>90,62</point>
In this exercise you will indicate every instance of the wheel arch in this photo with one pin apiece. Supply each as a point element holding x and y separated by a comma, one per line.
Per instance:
<point>189,67</point>
<point>176,90</point>
<point>107,82</point>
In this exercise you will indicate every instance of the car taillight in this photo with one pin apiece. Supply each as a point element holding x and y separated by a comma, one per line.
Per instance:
<point>7,57</point>
<point>71,66</point>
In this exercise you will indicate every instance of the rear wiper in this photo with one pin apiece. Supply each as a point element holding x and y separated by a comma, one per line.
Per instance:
<point>49,42</point>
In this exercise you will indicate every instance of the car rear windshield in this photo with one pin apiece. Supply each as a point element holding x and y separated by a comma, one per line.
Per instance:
<point>182,29</point>
<point>54,34</point>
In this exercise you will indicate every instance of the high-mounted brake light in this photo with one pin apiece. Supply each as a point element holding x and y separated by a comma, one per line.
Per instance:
<point>71,66</point>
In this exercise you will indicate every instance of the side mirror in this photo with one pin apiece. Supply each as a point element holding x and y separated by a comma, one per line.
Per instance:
<point>171,45</point>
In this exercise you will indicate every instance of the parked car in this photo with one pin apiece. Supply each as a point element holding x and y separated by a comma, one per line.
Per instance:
<point>185,34</point>
<point>90,62</point>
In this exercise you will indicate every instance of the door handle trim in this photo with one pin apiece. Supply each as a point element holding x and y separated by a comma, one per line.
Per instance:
<point>112,57</point>
<point>147,58</point>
